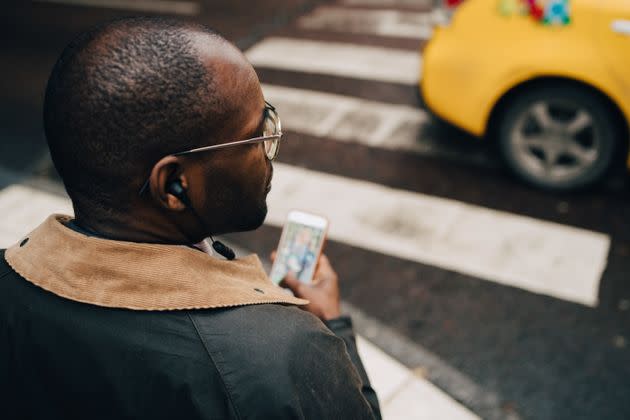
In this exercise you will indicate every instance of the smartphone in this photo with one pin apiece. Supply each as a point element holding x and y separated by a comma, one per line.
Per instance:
<point>300,246</point>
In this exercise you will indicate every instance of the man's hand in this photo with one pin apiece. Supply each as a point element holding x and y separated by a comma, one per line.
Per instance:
<point>323,293</point>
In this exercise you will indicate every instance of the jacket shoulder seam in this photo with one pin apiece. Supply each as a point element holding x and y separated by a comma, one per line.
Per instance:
<point>205,347</point>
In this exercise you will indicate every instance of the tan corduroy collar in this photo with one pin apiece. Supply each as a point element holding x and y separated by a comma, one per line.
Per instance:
<point>137,275</point>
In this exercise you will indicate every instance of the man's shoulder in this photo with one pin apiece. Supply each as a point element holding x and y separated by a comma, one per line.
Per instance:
<point>263,325</point>
<point>279,360</point>
<point>269,336</point>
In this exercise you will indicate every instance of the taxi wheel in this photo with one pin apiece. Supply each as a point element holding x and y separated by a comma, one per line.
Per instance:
<point>559,138</point>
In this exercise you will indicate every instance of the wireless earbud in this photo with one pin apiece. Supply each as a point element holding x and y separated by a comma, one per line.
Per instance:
<point>177,189</point>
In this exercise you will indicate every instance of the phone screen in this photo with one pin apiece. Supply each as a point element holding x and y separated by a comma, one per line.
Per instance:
<point>301,242</point>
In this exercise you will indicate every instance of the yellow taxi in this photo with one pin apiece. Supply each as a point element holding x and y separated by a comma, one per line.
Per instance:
<point>549,80</point>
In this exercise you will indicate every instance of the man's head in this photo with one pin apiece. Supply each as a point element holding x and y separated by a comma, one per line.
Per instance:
<point>125,96</point>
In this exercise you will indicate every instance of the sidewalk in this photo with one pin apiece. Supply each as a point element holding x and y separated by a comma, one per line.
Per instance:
<point>403,394</point>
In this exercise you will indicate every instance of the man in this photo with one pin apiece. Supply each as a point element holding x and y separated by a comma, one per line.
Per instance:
<point>114,314</point>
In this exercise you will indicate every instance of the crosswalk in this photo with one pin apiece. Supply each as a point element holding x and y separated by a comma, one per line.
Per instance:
<point>415,4</point>
<point>530,254</point>
<point>180,7</point>
<point>534,255</point>
<point>343,90</point>
<point>382,22</point>
<point>340,59</point>
<point>345,118</point>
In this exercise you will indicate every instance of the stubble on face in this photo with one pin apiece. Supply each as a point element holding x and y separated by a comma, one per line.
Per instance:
<point>241,197</point>
<point>238,179</point>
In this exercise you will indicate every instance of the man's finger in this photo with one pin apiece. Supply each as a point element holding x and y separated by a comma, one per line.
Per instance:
<point>324,262</point>
<point>319,262</point>
<point>273,255</point>
<point>324,267</point>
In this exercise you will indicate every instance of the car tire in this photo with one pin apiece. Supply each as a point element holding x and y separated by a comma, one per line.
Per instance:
<point>559,138</point>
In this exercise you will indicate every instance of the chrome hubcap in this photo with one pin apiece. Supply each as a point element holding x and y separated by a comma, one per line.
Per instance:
<point>555,141</point>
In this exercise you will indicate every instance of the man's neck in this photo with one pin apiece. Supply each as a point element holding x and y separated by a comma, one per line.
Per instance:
<point>72,224</point>
<point>143,230</point>
<point>203,246</point>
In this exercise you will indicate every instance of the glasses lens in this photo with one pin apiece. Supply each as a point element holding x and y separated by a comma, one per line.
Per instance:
<point>271,125</point>
<point>271,148</point>
<point>272,128</point>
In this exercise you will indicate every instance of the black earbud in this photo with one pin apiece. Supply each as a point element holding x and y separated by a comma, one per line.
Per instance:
<point>177,189</point>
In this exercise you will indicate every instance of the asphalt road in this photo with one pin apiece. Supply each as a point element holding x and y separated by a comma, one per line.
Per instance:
<point>545,357</point>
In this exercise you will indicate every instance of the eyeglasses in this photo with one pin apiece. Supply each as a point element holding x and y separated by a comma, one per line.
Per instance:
<point>271,135</point>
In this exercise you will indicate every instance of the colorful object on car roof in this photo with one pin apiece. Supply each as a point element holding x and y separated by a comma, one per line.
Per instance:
<point>549,12</point>
<point>453,3</point>
<point>557,12</point>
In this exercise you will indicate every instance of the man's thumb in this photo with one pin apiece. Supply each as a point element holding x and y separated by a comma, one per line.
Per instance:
<point>292,283</point>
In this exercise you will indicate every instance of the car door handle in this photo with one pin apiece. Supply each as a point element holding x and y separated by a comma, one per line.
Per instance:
<point>621,26</point>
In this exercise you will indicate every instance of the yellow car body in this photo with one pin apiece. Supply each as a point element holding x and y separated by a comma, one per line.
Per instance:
<point>473,63</point>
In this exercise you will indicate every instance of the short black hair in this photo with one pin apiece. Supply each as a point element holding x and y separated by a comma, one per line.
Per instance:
<point>122,96</point>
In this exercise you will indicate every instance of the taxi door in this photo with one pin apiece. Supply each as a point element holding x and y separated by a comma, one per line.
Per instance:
<point>613,34</point>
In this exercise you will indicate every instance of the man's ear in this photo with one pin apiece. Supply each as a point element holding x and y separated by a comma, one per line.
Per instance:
<point>166,171</point>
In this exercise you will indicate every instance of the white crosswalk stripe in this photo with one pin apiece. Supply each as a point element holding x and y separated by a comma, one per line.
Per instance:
<point>349,119</point>
<point>402,394</point>
<point>354,120</point>
<point>184,8</point>
<point>392,23</point>
<point>23,209</point>
<point>339,59</point>
<point>390,3</point>
<point>534,255</point>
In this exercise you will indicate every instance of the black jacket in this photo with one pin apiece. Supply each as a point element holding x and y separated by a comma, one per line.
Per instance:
<point>61,359</point>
